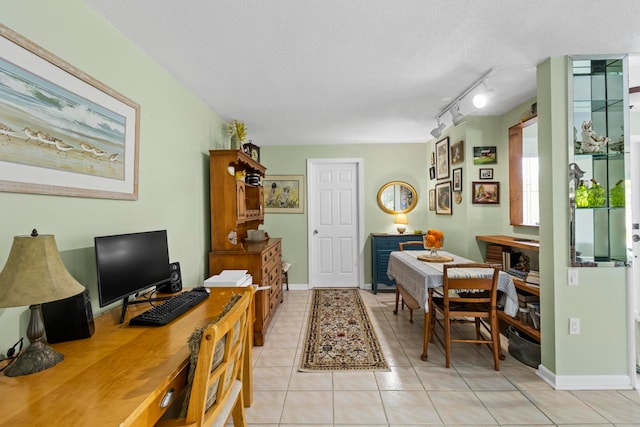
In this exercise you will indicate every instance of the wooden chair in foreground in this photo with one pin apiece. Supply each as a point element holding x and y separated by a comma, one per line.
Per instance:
<point>408,300</point>
<point>467,296</point>
<point>215,376</point>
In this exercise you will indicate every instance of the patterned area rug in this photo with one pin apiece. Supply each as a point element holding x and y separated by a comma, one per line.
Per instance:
<point>340,336</point>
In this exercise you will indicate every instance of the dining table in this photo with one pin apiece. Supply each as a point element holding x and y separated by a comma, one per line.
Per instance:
<point>414,277</point>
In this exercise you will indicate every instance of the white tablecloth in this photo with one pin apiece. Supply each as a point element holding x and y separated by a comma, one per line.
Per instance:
<point>417,276</point>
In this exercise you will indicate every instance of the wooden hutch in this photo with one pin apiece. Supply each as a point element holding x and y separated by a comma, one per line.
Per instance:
<point>237,206</point>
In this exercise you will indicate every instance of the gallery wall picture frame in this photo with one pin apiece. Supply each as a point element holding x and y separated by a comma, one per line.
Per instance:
<point>457,179</point>
<point>486,173</point>
<point>485,192</point>
<point>283,193</point>
<point>443,198</point>
<point>457,152</point>
<point>432,172</point>
<point>64,132</point>
<point>485,155</point>
<point>442,158</point>
<point>432,200</point>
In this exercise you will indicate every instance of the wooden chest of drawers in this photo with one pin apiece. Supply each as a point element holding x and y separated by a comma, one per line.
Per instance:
<point>264,262</point>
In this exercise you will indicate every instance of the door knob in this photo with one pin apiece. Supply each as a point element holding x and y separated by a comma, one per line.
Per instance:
<point>635,238</point>
<point>315,232</point>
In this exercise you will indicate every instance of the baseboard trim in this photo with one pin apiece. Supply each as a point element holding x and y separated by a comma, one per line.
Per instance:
<point>584,382</point>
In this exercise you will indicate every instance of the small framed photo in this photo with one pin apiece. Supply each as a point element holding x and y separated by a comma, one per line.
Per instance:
<point>432,172</point>
<point>442,158</point>
<point>486,173</point>
<point>432,200</point>
<point>485,155</point>
<point>443,198</point>
<point>486,193</point>
<point>433,158</point>
<point>457,153</point>
<point>457,179</point>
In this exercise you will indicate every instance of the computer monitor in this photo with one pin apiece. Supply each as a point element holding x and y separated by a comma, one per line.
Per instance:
<point>130,263</point>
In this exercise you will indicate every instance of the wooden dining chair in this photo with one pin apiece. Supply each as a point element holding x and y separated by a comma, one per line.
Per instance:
<point>214,391</point>
<point>469,295</point>
<point>407,300</point>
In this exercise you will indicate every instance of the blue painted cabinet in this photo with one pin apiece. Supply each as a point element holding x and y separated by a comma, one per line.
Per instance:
<point>381,246</point>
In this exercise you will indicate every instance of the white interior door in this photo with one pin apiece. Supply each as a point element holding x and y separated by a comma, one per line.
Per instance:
<point>335,218</point>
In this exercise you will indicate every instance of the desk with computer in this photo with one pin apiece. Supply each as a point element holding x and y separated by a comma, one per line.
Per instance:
<point>121,374</point>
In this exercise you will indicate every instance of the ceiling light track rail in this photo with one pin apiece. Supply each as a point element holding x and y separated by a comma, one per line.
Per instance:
<point>466,92</point>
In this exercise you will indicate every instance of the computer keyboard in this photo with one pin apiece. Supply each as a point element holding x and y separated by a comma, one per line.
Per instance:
<point>170,309</point>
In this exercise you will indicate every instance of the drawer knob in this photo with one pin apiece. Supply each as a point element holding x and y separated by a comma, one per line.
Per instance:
<point>167,399</point>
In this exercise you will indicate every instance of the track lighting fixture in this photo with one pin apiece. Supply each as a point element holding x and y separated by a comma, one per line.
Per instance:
<point>437,131</point>
<point>456,116</point>
<point>479,101</point>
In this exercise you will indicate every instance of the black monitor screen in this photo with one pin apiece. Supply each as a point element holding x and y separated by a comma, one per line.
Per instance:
<point>129,263</point>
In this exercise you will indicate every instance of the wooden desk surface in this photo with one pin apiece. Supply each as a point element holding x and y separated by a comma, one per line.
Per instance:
<point>116,377</point>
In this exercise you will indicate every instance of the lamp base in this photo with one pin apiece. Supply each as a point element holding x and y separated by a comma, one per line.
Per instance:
<point>37,357</point>
<point>401,229</point>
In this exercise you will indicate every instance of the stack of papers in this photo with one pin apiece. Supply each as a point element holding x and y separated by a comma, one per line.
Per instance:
<point>229,278</point>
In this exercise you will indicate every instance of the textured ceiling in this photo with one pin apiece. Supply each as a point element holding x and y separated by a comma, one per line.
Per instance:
<point>338,71</point>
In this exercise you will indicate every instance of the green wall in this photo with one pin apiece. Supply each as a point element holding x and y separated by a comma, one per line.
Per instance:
<point>381,163</point>
<point>176,132</point>
<point>600,302</point>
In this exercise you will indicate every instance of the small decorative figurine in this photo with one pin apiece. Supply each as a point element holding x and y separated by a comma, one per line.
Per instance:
<point>591,143</point>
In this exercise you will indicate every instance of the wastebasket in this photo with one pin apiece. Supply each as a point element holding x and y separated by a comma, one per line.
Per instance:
<point>523,348</point>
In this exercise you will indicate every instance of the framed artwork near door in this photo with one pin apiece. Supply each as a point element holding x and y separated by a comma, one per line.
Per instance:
<point>283,193</point>
<point>432,200</point>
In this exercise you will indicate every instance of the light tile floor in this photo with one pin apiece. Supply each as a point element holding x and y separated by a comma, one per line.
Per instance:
<point>415,392</point>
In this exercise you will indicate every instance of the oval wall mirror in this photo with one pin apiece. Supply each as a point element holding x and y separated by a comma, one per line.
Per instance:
<point>397,197</point>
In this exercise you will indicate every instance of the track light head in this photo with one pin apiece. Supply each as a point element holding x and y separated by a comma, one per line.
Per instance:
<point>456,116</point>
<point>437,131</point>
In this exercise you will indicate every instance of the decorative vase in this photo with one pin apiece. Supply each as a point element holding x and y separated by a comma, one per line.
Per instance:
<point>236,144</point>
<point>616,195</point>
<point>582,195</point>
<point>597,195</point>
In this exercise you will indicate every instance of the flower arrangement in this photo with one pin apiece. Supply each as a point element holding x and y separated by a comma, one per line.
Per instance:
<point>238,133</point>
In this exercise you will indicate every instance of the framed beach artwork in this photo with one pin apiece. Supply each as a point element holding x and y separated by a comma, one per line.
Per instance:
<point>283,193</point>
<point>442,158</point>
<point>61,131</point>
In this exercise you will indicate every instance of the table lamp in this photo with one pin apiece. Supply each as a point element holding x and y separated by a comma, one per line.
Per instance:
<point>401,222</point>
<point>34,274</point>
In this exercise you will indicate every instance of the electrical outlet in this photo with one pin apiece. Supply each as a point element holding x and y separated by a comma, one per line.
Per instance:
<point>572,276</point>
<point>574,325</point>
